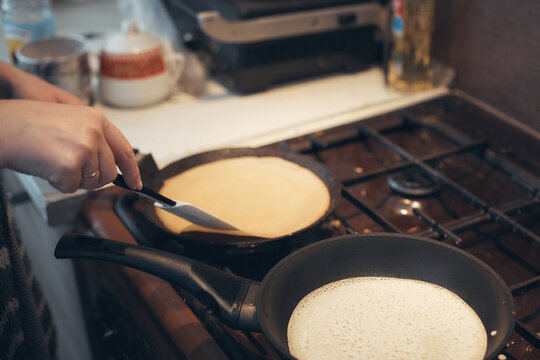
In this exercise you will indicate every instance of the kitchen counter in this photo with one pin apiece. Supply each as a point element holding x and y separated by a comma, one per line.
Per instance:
<point>176,128</point>
<point>185,125</point>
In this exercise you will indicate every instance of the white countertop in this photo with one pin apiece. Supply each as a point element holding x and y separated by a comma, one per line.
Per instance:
<point>184,125</point>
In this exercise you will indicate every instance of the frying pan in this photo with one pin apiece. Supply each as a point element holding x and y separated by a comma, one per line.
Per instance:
<point>267,305</point>
<point>217,242</point>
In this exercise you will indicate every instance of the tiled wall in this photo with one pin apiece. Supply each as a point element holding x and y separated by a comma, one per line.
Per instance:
<point>494,46</point>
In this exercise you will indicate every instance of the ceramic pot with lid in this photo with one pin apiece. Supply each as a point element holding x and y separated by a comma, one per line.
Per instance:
<point>137,69</point>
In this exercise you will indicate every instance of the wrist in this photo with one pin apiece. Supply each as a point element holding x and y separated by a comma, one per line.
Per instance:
<point>10,77</point>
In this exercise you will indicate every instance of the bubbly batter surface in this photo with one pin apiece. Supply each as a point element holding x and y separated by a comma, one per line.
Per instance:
<point>385,318</point>
<point>266,197</point>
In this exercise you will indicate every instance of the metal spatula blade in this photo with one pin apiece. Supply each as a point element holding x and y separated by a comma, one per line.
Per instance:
<point>195,215</point>
<point>181,209</point>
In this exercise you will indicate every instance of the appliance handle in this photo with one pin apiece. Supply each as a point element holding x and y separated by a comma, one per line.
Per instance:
<point>293,24</point>
<point>223,292</point>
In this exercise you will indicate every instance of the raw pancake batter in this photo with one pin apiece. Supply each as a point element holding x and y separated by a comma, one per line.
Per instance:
<point>385,318</point>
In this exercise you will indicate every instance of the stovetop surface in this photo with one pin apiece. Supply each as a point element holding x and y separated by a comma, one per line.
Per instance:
<point>445,169</point>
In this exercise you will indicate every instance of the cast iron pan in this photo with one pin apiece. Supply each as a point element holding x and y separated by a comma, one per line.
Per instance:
<point>142,211</point>
<point>266,306</point>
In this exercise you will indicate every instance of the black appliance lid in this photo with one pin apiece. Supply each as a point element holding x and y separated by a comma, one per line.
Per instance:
<point>244,9</point>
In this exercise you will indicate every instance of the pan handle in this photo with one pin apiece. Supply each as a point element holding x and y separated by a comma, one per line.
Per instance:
<point>231,296</point>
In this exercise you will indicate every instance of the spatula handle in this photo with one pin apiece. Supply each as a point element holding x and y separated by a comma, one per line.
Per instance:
<point>119,181</point>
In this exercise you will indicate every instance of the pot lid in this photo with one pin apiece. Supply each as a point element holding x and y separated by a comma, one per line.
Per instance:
<point>131,40</point>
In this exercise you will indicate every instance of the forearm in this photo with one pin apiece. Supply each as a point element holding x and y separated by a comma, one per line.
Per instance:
<point>9,132</point>
<point>3,135</point>
<point>5,80</point>
<point>18,84</point>
<point>10,77</point>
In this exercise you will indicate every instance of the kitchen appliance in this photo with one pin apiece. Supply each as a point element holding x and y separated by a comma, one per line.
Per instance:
<point>267,306</point>
<point>251,45</point>
<point>449,169</point>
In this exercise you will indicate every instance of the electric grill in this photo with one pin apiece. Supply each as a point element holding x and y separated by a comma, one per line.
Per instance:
<point>250,45</point>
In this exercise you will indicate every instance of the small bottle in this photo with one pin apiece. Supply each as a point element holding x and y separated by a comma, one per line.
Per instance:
<point>4,51</point>
<point>409,66</point>
<point>34,16</point>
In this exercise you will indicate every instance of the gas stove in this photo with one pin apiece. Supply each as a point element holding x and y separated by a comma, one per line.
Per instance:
<point>448,169</point>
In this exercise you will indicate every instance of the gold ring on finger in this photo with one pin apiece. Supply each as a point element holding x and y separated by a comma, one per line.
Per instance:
<point>91,175</point>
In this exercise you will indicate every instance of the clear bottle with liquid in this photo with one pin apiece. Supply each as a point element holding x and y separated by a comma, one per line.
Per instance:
<point>409,65</point>
<point>4,51</point>
<point>33,16</point>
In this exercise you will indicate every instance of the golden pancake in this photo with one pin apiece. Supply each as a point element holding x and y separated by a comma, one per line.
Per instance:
<point>266,197</point>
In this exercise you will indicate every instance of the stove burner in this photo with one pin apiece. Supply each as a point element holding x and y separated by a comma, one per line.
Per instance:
<point>485,203</point>
<point>412,182</point>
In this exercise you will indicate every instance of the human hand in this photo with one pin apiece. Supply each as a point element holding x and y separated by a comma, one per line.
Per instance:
<point>70,146</point>
<point>17,84</point>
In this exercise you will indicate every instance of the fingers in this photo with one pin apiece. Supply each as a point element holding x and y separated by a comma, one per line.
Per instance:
<point>107,165</point>
<point>100,167</point>
<point>70,146</point>
<point>123,155</point>
<point>103,147</point>
<point>90,174</point>
<point>90,168</point>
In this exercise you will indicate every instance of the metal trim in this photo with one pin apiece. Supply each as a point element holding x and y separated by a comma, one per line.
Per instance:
<point>292,24</point>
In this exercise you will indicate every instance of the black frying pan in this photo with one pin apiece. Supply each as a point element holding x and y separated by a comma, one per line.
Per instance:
<point>267,305</point>
<point>225,241</point>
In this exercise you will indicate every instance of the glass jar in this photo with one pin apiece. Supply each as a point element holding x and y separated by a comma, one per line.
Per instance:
<point>409,66</point>
<point>33,16</point>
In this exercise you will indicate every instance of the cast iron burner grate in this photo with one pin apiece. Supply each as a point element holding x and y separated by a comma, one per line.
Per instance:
<point>408,154</point>
<point>471,196</point>
<point>464,193</point>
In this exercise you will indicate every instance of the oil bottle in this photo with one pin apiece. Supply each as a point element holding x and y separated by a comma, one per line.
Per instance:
<point>409,65</point>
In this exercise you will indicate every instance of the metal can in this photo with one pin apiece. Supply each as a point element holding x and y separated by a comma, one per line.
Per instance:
<point>60,60</point>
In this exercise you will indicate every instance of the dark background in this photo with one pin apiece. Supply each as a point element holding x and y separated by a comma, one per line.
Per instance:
<point>494,46</point>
